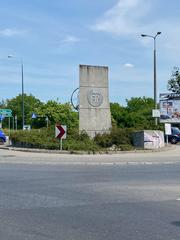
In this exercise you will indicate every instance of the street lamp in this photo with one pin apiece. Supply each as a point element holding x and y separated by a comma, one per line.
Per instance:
<point>155,83</point>
<point>22,87</point>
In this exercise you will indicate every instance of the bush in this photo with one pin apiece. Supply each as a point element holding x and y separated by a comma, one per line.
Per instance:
<point>116,137</point>
<point>44,138</point>
<point>103,140</point>
<point>87,145</point>
<point>125,147</point>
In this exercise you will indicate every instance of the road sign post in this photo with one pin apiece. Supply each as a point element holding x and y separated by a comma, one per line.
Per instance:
<point>6,112</point>
<point>167,131</point>
<point>47,121</point>
<point>1,120</point>
<point>15,121</point>
<point>9,128</point>
<point>60,132</point>
<point>61,144</point>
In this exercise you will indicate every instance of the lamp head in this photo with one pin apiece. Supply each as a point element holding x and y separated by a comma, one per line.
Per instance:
<point>143,35</point>
<point>158,33</point>
<point>10,56</point>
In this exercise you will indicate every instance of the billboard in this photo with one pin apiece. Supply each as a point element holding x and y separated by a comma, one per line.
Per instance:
<point>169,104</point>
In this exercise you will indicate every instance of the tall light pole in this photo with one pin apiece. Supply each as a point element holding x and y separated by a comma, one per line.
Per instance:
<point>22,88</point>
<point>155,82</point>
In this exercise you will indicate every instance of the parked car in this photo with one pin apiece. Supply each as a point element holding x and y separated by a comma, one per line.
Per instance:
<point>2,137</point>
<point>175,135</point>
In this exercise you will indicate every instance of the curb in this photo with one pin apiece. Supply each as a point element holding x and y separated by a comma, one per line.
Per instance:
<point>166,148</point>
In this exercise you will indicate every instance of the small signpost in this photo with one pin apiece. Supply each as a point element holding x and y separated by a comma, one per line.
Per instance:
<point>33,116</point>
<point>60,132</point>
<point>6,112</point>
<point>15,121</point>
<point>1,117</point>
<point>167,131</point>
<point>155,113</point>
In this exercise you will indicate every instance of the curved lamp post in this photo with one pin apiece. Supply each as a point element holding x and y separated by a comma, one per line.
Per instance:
<point>22,88</point>
<point>155,82</point>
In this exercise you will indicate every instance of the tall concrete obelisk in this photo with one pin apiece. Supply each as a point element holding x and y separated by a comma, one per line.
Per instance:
<point>94,107</point>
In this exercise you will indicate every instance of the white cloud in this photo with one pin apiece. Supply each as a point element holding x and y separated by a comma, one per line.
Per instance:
<point>9,32</point>
<point>128,65</point>
<point>124,18</point>
<point>66,44</point>
<point>131,18</point>
<point>70,39</point>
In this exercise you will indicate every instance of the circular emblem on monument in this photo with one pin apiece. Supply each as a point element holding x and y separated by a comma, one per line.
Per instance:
<point>95,97</point>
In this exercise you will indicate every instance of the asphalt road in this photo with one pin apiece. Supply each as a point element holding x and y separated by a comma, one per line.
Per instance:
<point>118,198</point>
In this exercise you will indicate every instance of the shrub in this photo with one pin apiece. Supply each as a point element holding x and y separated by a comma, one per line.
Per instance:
<point>116,137</point>
<point>44,138</point>
<point>126,147</point>
<point>103,140</point>
<point>78,145</point>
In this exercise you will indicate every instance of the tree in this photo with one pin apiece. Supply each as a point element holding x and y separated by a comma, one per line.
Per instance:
<point>3,104</point>
<point>59,113</point>
<point>117,114</point>
<point>139,104</point>
<point>140,112</point>
<point>31,104</point>
<point>174,81</point>
<point>53,110</point>
<point>137,113</point>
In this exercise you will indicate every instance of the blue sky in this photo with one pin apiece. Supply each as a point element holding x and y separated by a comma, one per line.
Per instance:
<point>54,37</point>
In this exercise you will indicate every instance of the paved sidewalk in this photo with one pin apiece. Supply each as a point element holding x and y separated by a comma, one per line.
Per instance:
<point>168,156</point>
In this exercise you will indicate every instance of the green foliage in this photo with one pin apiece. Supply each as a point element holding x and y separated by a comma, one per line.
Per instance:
<point>87,145</point>
<point>79,142</point>
<point>59,113</point>
<point>116,137</point>
<point>74,134</point>
<point>137,114</point>
<point>139,104</point>
<point>126,147</point>
<point>174,81</point>
<point>30,105</point>
<point>55,111</point>
<point>44,138</point>
<point>117,113</point>
<point>103,140</point>
<point>3,104</point>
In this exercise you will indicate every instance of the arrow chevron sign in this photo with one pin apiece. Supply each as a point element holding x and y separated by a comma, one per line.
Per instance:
<point>60,131</point>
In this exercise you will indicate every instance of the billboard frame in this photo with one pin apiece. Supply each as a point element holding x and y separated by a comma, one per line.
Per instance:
<point>169,105</point>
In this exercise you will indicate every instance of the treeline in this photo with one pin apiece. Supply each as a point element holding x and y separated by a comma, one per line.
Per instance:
<point>136,114</point>
<point>53,111</point>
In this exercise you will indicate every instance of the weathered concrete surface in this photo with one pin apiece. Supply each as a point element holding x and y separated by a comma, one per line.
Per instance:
<point>149,139</point>
<point>94,108</point>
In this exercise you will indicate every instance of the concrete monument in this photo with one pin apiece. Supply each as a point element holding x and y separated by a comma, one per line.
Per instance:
<point>94,108</point>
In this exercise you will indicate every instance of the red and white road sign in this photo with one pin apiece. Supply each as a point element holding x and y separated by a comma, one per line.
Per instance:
<point>60,131</point>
